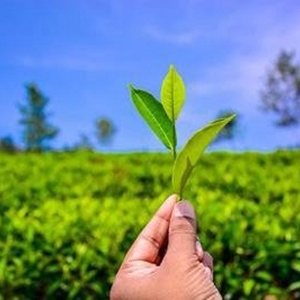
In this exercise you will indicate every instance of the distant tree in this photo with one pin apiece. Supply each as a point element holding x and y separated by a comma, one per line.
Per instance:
<point>281,93</point>
<point>105,130</point>
<point>36,128</point>
<point>229,132</point>
<point>7,145</point>
<point>84,143</point>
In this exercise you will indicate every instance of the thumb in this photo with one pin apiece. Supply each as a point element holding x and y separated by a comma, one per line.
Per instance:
<point>182,230</point>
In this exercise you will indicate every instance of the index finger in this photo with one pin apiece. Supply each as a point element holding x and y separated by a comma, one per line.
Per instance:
<point>147,245</point>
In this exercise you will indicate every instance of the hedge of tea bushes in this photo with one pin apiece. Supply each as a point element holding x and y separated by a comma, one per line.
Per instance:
<point>67,219</point>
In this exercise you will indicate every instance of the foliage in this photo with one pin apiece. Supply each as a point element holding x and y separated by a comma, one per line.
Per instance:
<point>161,117</point>
<point>84,143</point>
<point>7,145</point>
<point>281,94</point>
<point>188,158</point>
<point>105,130</point>
<point>67,220</point>
<point>37,131</point>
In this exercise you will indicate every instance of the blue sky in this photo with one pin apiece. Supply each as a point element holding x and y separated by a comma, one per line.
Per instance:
<point>84,53</point>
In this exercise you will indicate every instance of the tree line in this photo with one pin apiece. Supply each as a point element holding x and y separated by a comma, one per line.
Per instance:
<point>37,131</point>
<point>279,96</point>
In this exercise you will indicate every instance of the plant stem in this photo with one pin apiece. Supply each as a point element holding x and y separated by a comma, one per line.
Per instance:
<point>175,139</point>
<point>174,153</point>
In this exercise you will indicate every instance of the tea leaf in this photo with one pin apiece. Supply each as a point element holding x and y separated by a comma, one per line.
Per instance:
<point>172,94</point>
<point>154,114</point>
<point>192,151</point>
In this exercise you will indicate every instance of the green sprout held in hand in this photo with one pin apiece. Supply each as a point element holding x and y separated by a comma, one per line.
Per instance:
<point>161,116</point>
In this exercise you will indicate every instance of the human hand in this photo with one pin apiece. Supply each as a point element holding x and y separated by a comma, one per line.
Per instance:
<point>166,261</point>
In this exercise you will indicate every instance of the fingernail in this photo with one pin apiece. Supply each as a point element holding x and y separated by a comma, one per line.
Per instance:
<point>184,209</point>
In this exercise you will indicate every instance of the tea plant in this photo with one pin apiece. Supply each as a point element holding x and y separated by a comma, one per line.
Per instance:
<point>161,116</point>
<point>63,233</point>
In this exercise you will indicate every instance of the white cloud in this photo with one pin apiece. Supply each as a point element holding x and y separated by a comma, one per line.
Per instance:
<point>180,37</point>
<point>238,76</point>
<point>256,37</point>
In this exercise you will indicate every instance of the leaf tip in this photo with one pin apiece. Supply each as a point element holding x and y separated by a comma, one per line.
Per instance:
<point>130,87</point>
<point>231,117</point>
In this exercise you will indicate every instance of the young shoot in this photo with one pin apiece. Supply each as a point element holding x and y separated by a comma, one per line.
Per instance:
<point>161,117</point>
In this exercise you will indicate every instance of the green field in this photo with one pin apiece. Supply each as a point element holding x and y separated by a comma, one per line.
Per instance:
<point>68,218</point>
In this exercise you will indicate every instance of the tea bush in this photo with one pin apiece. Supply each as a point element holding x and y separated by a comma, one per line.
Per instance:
<point>67,220</point>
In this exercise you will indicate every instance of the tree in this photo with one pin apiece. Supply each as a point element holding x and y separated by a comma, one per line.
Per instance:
<point>7,145</point>
<point>105,130</point>
<point>84,143</point>
<point>281,93</point>
<point>229,132</point>
<point>37,131</point>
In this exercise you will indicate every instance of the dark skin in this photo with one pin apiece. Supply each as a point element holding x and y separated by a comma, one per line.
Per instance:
<point>166,261</point>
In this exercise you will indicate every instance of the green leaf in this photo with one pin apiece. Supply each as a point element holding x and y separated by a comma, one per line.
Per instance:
<point>248,286</point>
<point>296,266</point>
<point>294,286</point>
<point>154,114</point>
<point>192,151</point>
<point>172,93</point>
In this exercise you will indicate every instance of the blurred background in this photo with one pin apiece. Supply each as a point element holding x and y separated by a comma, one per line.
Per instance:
<point>82,55</point>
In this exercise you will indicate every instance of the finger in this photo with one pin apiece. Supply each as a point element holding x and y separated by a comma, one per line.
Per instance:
<point>162,251</point>
<point>208,273</point>
<point>182,231</point>
<point>199,250</point>
<point>205,258</point>
<point>149,242</point>
<point>208,263</point>
<point>208,260</point>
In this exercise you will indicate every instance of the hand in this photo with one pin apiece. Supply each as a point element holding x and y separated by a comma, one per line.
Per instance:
<point>166,261</point>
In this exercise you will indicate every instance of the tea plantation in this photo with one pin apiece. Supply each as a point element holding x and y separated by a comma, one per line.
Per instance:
<point>67,219</point>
